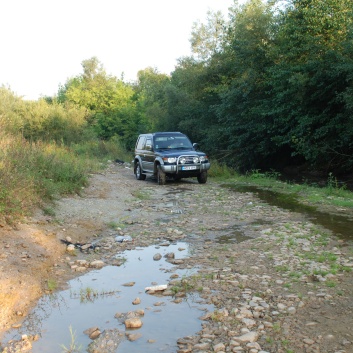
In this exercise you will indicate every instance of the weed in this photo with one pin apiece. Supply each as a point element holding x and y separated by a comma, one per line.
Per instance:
<point>285,343</point>
<point>141,195</point>
<point>320,273</point>
<point>330,284</point>
<point>345,269</point>
<point>269,340</point>
<point>217,316</point>
<point>276,327</point>
<point>52,285</point>
<point>88,294</point>
<point>294,274</point>
<point>49,211</point>
<point>73,347</point>
<point>282,268</point>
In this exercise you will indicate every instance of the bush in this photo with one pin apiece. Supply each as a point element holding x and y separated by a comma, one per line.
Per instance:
<point>33,172</point>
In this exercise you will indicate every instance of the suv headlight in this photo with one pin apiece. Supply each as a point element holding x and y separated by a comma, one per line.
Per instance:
<point>169,159</point>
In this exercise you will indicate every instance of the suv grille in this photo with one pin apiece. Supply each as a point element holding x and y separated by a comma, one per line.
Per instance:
<point>189,159</point>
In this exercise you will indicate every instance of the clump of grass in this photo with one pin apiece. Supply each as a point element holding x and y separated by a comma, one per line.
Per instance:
<point>220,170</point>
<point>141,195</point>
<point>52,285</point>
<point>73,347</point>
<point>32,172</point>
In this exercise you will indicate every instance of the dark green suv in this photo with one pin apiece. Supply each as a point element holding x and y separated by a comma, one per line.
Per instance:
<point>169,154</point>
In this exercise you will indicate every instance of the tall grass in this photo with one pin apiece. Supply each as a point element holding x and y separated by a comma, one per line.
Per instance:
<point>112,149</point>
<point>31,173</point>
<point>47,149</point>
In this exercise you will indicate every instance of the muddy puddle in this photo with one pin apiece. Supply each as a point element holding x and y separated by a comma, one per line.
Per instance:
<point>93,300</point>
<point>341,226</point>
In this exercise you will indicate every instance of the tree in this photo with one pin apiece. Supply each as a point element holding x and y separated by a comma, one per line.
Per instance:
<point>207,39</point>
<point>311,83</point>
<point>105,97</point>
<point>151,99</point>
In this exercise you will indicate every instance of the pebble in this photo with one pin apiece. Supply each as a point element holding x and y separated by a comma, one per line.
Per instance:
<point>134,322</point>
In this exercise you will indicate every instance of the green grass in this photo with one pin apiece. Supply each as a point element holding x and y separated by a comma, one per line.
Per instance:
<point>33,174</point>
<point>52,285</point>
<point>73,347</point>
<point>332,194</point>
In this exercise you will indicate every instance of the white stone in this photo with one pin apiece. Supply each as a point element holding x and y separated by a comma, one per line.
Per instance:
<point>248,322</point>
<point>219,347</point>
<point>96,264</point>
<point>248,337</point>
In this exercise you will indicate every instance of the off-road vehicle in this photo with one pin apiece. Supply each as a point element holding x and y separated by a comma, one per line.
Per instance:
<point>169,155</point>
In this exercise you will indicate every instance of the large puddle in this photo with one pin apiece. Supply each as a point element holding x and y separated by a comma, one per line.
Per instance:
<point>341,226</point>
<point>164,321</point>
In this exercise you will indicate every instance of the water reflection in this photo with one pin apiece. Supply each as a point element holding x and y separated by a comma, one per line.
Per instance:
<point>164,324</point>
<point>341,226</point>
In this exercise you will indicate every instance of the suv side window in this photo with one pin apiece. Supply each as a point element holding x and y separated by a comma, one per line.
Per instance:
<point>148,145</point>
<point>140,143</point>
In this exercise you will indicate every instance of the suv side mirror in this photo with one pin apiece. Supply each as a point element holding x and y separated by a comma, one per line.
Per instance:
<point>148,147</point>
<point>196,146</point>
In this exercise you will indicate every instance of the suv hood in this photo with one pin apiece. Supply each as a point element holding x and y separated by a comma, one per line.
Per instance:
<point>177,153</point>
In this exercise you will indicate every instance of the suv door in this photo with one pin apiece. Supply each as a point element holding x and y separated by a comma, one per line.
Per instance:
<point>148,156</point>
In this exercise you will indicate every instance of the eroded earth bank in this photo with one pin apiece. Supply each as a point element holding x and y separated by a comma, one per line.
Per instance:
<point>277,282</point>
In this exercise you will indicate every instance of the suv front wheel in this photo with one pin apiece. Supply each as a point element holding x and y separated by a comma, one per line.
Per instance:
<point>138,172</point>
<point>161,177</point>
<point>202,177</point>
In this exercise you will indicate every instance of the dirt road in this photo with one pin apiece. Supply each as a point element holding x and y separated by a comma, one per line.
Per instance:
<point>279,282</point>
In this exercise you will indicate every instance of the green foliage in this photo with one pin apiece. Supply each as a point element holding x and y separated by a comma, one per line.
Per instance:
<point>273,89</point>
<point>32,172</point>
<point>109,102</point>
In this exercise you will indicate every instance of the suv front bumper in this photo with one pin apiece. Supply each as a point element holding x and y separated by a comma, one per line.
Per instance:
<point>185,168</point>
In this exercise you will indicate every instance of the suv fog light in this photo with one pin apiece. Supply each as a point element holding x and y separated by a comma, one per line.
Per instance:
<point>182,160</point>
<point>195,160</point>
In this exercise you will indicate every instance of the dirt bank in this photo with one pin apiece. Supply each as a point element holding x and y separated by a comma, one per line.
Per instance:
<point>268,271</point>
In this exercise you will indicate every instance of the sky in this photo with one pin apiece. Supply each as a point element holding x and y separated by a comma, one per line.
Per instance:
<point>43,42</point>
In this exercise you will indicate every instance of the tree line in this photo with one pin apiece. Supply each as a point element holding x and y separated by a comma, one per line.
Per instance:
<point>268,87</point>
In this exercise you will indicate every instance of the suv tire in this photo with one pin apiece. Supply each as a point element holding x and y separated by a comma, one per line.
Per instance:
<point>202,177</point>
<point>161,177</point>
<point>138,172</point>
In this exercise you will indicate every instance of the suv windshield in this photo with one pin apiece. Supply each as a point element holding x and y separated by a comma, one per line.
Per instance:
<point>172,142</point>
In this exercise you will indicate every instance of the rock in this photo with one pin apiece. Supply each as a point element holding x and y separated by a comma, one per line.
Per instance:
<point>202,346</point>
<point>308,341</point>
<point>140,312</point>
<point>219,347</point>
<point>170,255</point>
<point>134,322</point>
<point>247,337</point>
<point>157,257</point>
<point>90,330</point>
<point>248,322</point>
<point>96,264</point>
<point>70,248</point>
<point>157,288</point>
<point>95,334</point>
<point>133,336</point>
<point>292,310</point>
<point>129,284</point>
<point>136,301</point>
